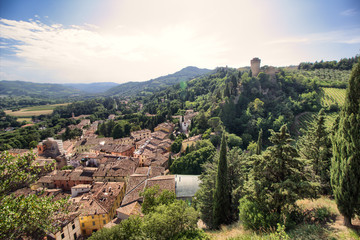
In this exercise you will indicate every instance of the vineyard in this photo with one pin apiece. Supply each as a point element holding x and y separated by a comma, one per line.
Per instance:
<point>306,118</point>
<point>333,96</point>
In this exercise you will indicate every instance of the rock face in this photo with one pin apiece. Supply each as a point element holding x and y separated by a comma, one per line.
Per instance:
<point>255,66</point>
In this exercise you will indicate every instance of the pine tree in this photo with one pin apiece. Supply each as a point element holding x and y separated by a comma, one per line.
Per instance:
<point>259,143</point>
<point>222,202</point>
<point>345,164</point>
<point>277,180</point>
<point>315,145</point>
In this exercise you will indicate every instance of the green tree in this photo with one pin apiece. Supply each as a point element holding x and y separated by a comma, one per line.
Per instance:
<point>23,216</point>
<point>118,131</point>
<point>238,169</point>
<point>129,229</point>
<point>234,141</point>
<point>345,164</point>
<point>315,145</point>
<point>167,221</point>
<point>152,198</point>
<point>277,180</point>
<point>222,197</point>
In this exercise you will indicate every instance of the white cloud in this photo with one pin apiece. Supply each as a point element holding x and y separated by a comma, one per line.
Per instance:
<point>81,53</point>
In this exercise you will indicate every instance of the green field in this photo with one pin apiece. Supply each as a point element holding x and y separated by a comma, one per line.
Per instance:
<point>28,112</point>
<point>333,96</point>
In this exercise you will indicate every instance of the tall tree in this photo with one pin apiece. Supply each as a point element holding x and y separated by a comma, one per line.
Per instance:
<point>315,145</point>
<point>259,142</point>
<point>222,195</point>
<point>345,164</point>
<point>277,180</point>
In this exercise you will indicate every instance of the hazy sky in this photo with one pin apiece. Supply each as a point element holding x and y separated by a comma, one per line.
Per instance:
<point>60,41</point>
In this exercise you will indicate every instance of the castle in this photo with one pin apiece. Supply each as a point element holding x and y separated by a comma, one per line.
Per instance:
<point>255,66</point>
<point>269,70</point>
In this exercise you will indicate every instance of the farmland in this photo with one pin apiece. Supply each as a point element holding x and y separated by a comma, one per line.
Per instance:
<point>333,96</point>
<point>307,117</point>
<point>26,113</point>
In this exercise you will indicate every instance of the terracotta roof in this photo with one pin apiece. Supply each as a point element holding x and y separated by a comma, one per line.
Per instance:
<point>45,179</point>
<point>131,209</point>
<point>143,131</point>
<point>133,194</point>
<point>164,182</point>
<point>142,170</point>
<point>99,200</point>
<point>156,171</point>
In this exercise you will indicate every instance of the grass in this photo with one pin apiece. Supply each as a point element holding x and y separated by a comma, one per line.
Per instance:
<point>27,119</point>
<point>28,112</point>
<point>311,228</point>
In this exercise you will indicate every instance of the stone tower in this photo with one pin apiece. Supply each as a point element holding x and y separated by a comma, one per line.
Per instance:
<point>255,66</point>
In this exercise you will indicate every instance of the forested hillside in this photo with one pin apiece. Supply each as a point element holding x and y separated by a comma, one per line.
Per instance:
<point>98,87</point>
<point>153,85</point>
<point>36,90</point>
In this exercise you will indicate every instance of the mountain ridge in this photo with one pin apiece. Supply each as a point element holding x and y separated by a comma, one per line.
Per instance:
<point>156,84</point>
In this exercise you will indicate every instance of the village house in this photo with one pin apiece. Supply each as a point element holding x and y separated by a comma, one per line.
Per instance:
<point>66,179</point>
<point>69,228</point>
<point>98,206</point>
<point>114,149</point>
<point>124,141</point>
<point>44,164</point>
<point>50,148</point>
<point>141,134</point>
<point>184,187</point>
<point>166,127</point>
<point>116,170</point>
<point>189,142</point>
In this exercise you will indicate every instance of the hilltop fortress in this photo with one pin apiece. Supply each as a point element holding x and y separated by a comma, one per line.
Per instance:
<point>255,68</point>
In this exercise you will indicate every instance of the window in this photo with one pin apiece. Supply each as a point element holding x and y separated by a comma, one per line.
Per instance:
<point>62,236</point>
<point>93,223</point>
<point>92,217</point>
<point>83,224</point>
<point>103,215</point>
<point>75,236</point>
<point>104,221</point>
<point>73,226</point>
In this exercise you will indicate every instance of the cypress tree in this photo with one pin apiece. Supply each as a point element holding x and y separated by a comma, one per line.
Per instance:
<point>259,142</point>
<point>222,202</point>
<point>345,164</point>
<point>169,161</point>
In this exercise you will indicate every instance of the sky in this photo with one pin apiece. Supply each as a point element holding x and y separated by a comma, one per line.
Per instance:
<point>83,41</point>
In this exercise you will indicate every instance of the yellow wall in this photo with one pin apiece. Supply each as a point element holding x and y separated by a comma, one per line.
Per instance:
<point>160,128</point>
<point>90,223</point>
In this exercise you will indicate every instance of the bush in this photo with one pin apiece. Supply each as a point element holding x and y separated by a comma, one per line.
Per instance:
<point>255,217</point>
<point>318,215</point>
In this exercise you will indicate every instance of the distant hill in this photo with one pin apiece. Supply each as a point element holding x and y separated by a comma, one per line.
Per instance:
<point>97,87</point>
<point>148,87</point>
<point>36,90</point>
